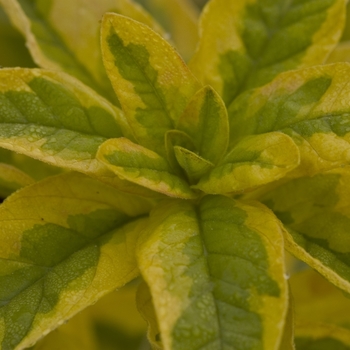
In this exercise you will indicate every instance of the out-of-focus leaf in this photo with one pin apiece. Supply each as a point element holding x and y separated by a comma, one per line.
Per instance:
<point>317,300</point>
<point>341,53</point>
<point>112,323</point>
<point>11,179</point>
<point>146,308</point>
<point>179,18</point>
<point>287,342</point>
<point>13,51</point>
<point>321,337</point>
<point>64,35</point>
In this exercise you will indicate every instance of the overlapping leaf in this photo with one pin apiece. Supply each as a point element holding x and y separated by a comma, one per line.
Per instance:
<point>143,167</point>
<point>215,274</point>
<point>194,165</point>
<point>179,18</point>
<point>151,80</point>
<point>71,45</point>
<point>316,214</point>
<point>316,337</point>
<point>205,121</point>
<point>66,241</point>
<point>254,161</point>
<point>11,179</point>
<point>32,167</point>
<point>287,342</point>
<point>54,118</point>
<point>145,306</point>
<point>253,41</point>
<point>310,105</point>
<point>341,53</point>
<point>113,322</point>
<point>13,51</point>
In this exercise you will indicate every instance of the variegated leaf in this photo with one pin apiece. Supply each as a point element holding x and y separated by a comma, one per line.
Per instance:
<point>152,82</point>
<point>144,167</point>
<point>56,119</point>
<point>71,45</point>
<point>179,18</point>
<point>254,161</point>
<point>316,215</point>
<point>113,322</point>
<point>65,242</point>
<point>310,105</point>
<point>205,121</point>
<point>254,40</point>
<point>216,274</point>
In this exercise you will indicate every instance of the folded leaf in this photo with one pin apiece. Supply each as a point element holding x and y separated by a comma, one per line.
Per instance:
<point>310,105</point>
<point>215,274</point>
<point>151,80</point>
<point>113,323</point>
<point>318,301</point>
<point>179,18</point>
<point>146,308</point>
<point>177,138</point>
<point>316,215</point>
<point>194,165</point>
<point>56,119</point>
<point>205,121</point>
<point>257,40</point>
<point>254,161</point>
<point>12,179</point>
<point>144,167</point>
<point>319,336</point>
<point>66,242</point>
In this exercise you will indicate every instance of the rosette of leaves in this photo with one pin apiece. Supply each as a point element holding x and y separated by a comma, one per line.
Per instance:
<point>195,178</point>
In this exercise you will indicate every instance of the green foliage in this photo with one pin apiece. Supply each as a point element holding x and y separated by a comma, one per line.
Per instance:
<point>182,185</point>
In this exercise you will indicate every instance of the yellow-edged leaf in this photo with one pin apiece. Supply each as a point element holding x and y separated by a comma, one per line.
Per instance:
<point>151,81</point>
<point>144,167</point>
<point>310,105</point>
<point>205,121</point>
<point>113,322</point>
<point>254,161</point>
<point>66,241</point>
<point>315,213</point>
<point>71,45</point>
<point>252,41</point>
<point>216,274</point>
<point>179,18</point>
